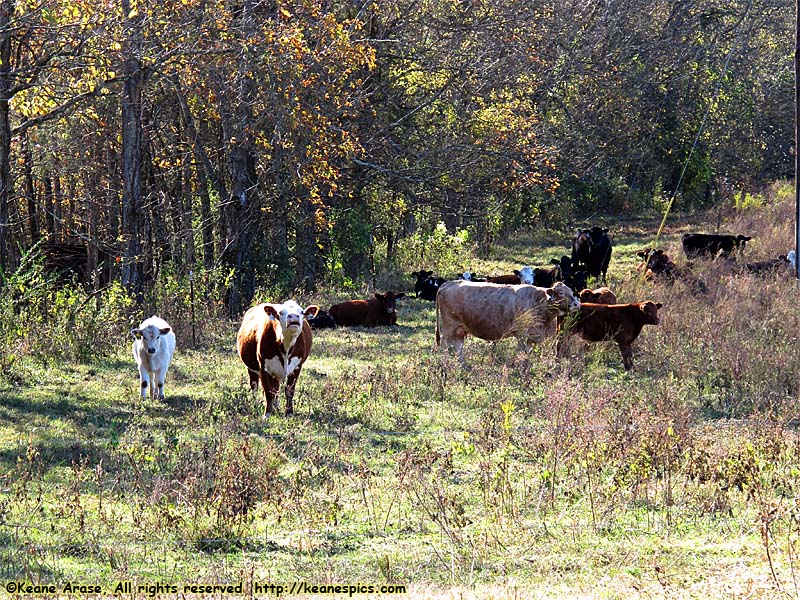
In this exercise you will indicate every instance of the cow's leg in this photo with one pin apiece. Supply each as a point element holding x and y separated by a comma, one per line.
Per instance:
<point>253,375</point>
<point>159,378</point>
<point>291,381</point>
<point>271,387</point>
<point>627,354</point>
<point>144,380</point>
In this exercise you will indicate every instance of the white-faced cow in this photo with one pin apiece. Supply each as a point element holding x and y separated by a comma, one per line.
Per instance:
<point>153,347</point>
<point>492,312</point>
<point>274,341</point>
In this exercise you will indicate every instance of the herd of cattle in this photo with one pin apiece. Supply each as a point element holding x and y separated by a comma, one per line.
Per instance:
<point>274,340</point>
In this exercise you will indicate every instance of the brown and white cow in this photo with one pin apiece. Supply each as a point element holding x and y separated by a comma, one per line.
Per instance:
<point>492,312</point>
<point>274,341</point>
<point>620,322</point>
<point>380,310</point>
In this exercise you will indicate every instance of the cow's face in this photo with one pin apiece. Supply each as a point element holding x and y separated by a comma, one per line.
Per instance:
<point>650,311</point>
<point>598,235</point>
<point>660,262</point>
<point>562,298</point>
<point>526,275</point>
<point>388,301</point>
<point>149,337</point>
<point>290,314</point>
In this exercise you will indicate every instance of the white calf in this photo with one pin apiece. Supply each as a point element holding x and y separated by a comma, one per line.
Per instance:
<point>153,349</point>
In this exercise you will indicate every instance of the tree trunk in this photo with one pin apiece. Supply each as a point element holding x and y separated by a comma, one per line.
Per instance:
<point>30,191</point>
<point>132,217</point>
<point>241,215</point>
<point>6,75</point>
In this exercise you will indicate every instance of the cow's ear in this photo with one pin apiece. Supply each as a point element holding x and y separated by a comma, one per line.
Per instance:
<point>270,310</point>
<point>415,274</point>
<point>379,296</point>
<point>164,331</point>
<point>400,295</point>
<point>659,305</point>
<point>311,310</point>
<point>550,295</point>
<point>137,333</point>
<point>555,261</point>
<point>517,273</point>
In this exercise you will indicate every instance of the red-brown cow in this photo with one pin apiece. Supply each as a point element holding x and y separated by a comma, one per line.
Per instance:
<point>620,322</point>
<point>601,295</point>
<point>380,310</point>
<point>274,341</point>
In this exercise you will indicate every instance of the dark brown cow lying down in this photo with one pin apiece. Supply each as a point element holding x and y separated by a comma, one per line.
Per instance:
<point>380,310</point>
<point>493,311</point>
<point>274,341</point>
<point>620,322</point>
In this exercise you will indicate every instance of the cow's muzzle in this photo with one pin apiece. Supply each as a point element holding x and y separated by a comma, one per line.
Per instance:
<point>151,350</point>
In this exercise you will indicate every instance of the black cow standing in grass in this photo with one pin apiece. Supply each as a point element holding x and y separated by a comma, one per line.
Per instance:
<point>711,244</point>
<point>591,248</point>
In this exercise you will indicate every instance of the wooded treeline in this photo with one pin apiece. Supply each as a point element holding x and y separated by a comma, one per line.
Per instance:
<point>284,141</point>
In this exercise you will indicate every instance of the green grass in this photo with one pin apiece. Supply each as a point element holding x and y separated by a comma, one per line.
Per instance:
<point>569,478</point>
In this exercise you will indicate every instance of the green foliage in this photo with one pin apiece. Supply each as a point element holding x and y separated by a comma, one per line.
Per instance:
<point>745,201</point>
<point>436,251</point>
<point>47,318</point>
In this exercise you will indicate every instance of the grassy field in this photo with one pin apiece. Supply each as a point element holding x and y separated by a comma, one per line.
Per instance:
<point>571,478</point>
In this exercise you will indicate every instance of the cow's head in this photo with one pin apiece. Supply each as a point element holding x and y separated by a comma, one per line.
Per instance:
<point>659,262</point>
<point>525,274</point>
<point>650,311</point>
<point>587,295</point>
<point>291,315</point>
<point>388,301</point>
<point>149,336</point>
<point>564,263</point>
<point>562,298</point>
<point>598,236</point>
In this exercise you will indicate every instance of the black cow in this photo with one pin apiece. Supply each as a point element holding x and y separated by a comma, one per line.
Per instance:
<point>710,244</point>
<point>591,248</point>
<point>575,279</point>
<point>323,320</point>
<point>765,267</point>
<point>427,286</point>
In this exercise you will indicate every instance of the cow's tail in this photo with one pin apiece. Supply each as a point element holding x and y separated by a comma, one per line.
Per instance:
<point>438,322</point>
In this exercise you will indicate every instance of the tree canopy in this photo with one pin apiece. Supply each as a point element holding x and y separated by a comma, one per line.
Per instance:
<point>264,140</point>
